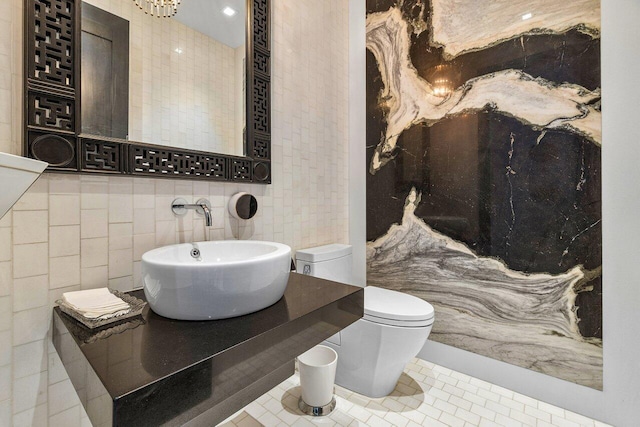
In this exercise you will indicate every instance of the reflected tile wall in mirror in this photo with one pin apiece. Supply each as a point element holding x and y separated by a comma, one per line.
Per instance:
<point>186,89</point>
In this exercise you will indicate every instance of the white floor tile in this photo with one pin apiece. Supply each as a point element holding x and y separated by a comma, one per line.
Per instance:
<point>428,395</point>
<point>397,419</point>
<point>451,420</point>
<point>376,421</point>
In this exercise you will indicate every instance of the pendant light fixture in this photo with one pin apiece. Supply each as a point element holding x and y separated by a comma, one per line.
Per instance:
<point>159,8</point>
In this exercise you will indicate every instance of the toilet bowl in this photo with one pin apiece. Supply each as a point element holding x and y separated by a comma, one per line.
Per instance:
<point>373,351</point>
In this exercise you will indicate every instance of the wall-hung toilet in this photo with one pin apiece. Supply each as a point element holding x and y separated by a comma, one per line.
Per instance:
<point>372,352</point>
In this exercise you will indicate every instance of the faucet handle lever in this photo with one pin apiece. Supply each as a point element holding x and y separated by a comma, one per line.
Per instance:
<point>179,206</point>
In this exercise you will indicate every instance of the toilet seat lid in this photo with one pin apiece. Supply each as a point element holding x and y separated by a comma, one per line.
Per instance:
<point>396,308</point>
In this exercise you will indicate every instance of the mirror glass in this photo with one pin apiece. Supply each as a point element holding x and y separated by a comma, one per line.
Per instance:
<point>176,81</point>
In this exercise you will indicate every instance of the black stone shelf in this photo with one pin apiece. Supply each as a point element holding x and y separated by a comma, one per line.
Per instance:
<point>155,371</point>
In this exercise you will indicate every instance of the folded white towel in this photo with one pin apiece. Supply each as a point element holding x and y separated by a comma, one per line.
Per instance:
<point>95,303</point>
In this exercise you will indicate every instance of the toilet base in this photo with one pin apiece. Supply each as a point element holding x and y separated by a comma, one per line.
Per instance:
<point>317,411</point>
<point>372,356</point>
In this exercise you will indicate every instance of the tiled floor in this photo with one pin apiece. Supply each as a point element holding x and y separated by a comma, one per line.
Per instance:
<point>426,395</point>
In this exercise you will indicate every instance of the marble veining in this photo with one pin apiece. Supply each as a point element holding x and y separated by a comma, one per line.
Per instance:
<point>483,23</point>
<point>484,189</point>
<point>411,100</point>
<point>482,305</point>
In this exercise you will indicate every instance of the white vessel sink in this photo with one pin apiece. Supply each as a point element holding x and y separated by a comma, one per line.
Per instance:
<point>229,278</point>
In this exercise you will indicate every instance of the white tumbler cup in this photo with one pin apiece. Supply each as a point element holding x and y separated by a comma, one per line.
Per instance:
<point>317,376</point>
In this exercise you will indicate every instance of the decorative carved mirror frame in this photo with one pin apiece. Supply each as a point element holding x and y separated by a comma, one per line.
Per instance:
<point>52,106</point>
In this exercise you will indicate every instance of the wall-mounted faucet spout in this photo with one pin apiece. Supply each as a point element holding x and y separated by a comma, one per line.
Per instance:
<point>202,206</point>
<point>207,213</point>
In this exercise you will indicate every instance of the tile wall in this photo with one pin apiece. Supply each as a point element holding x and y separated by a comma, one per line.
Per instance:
<point>76,232</point>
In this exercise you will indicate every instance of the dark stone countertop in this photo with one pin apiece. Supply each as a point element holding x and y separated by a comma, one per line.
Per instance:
<point>159,371</point>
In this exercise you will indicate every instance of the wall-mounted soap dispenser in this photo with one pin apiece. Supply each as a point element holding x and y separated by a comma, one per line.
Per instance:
<point>243,206</point>
<point>16,176</point>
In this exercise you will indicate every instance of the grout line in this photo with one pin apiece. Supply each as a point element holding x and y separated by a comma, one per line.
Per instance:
<point>400,407</point>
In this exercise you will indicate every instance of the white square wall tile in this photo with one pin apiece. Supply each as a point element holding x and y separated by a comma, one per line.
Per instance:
<point>64,209</point>
<point>64,271</point>
<point>141,244</point>
<point>137,275</point>
<point>94,223</point>
<point>31,417</point>
<point>94,252</point>
<point>163,208</point>
<point>5,244</point>
<point>62,396</point>
<point>5,382</point>
<point>5,313</point>
<point>144,221</point>
<point>29,392</point>
<point>30,227</point>
<point>6,349</point>
<point>94,277</point>
<point>120,236</point>
<point>120,263</point>
<point>120,208</point>
<point>94,193</point>
<point>30,292</point>
<point>165,187</point>
<point>29,359</point>
<point>67,418</point>
<point>30,260</point>
<point>165,233</point>
<point>64,240</point>
<point>184,189</point>
<point>56,369</point>
<point>64,184</point>
<point>120,199</point>
<point>143,193</point>
<point>31,325</point>
<point>6,275</point>
<point>5,412</point>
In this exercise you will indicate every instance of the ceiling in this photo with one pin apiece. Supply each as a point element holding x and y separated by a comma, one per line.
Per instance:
<point>206,16</point>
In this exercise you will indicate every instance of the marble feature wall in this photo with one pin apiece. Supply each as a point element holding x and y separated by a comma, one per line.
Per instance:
<point>181,84</point>
<point>74,232</point>
<point>484,190</point>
